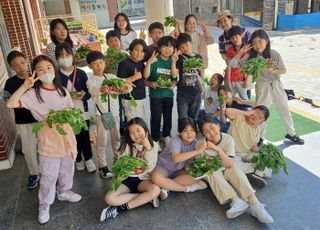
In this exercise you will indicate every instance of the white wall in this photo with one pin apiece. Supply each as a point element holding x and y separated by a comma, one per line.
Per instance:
<point>97,7</point>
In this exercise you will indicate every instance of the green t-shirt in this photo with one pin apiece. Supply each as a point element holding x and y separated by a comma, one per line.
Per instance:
<point>160,67</point>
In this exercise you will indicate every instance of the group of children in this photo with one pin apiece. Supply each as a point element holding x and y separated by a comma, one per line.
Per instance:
<point>54,76</point>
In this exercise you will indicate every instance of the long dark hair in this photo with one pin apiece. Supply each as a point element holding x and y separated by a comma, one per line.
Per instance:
<point>261,34</point>
<point>184,122</point>
<point>187,19</point>
<point>115,26</point>
<point>56,80</point>
<point>127,139</point>
<point>53,25</point>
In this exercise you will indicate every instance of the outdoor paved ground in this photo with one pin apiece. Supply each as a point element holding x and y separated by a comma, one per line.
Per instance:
<point>292,200</point>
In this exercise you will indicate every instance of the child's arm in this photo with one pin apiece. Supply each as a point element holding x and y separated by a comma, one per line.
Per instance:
<point>13,101</point>
<point>245,102</point>
<point>136,76</point>
<point>228,81</point>
<point>178,157</point>
<point>226,161</point>
<point>222,113</point>
<point>151,60</point>
<point>174,70</point>
<point>232,113</point>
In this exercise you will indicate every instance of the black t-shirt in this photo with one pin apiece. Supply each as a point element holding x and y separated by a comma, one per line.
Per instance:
<point>126,69</point>
<point>22,115</point>
<point>80,84</point>
<point>150,49</point>
<point>188,83</point>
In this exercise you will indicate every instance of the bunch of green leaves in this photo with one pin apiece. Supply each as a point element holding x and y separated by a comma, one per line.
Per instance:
<point>192,63</point>
<point>207,80</point>
<point>170,21</point>
<point>73,117</point>
<point>269,156</point>
<point>222,99</point>
<point>164,81</point>
<point>204,165</point>
<point>82,52</point>
<point>119,86</point>
<point>125,167</point>
<point>113,58</point>
<point>73,23</point>
<point>254,67</point>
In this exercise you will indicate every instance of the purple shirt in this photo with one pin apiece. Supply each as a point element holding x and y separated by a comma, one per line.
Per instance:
<point>165,159</point>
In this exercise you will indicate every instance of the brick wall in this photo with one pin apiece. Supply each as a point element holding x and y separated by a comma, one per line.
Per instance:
<point>113,9</point>
<point>16,26</point>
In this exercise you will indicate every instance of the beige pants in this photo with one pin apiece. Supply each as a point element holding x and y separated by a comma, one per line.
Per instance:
<point>267,92</point>
<point>139,111</point>
<point>29,147</point>
<point>221,181</point>
<point>102,140</point>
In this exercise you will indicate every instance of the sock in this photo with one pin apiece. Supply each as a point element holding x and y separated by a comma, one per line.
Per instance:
<point>123,207</point>
<point>188,189</point>
<point>253,200</point>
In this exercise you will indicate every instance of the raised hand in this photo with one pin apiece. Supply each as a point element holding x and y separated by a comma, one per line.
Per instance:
<point>137,74</point>
<point>29,82</point>
<point>201,147</point>
<point>142,34</point>
<point>203,26</point>
<point>175,56</point>
<point>153,58</point>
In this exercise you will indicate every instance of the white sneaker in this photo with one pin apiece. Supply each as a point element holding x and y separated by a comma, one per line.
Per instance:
<point>238,207</point>
<point>69,196</point>
<point>167,140</point>
<point>163,194</point>
<point>200,185</point>
<point>155,202</point>
<point>91,168</point>
<point>258,210</point>
<point>44,215</point>
<point>80,165</point>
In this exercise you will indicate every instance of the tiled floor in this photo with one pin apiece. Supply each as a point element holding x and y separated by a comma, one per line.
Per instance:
<point>292,200</point>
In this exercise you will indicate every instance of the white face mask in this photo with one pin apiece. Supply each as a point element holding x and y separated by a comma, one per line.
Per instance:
<point>65,62</point>
<point>47,78</point>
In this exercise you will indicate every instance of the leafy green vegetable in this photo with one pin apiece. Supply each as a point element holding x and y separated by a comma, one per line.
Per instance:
<point>222,99</point>
<point>192,63</point>
<point>269,156</point>
<point>59,117</point>
<point>125,167</point>
<point>113,58</point>
<point>164,81</point>
<point>204,165</point>
<point>82,52</point>
<point>118,86</point>
<point>254,67</point>
<point>170,21</point>
<point>207,80</point>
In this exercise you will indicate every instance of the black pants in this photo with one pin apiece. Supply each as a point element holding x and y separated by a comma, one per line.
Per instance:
<point>84,145</point>
<point>159,107</point>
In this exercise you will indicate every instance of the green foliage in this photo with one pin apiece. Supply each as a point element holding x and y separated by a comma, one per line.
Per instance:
<point>254,67</point>
<point>204,165</point>
<point>192,63</point>
<point>170,21</point>
<point>73,117</point>
<point>222,99</point>
<point>269,156</point>
<point>73,23</point>
<point>125,167</point>
<point>113,58</point>
<point>207,80</point>
<point>164,81</point>
<point>82,52</point>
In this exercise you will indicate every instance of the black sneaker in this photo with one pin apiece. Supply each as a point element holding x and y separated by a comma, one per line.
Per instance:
<point>104,172</point>
<point>108,212</point>
<point>295,139</point>
<point>33,181</point>
<point>256,180</point>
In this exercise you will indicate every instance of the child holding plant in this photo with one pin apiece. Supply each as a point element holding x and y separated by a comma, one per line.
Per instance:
<point>170,173</point>
<point>75,80</point>
<point>131,70</point>
<point>190,83</point>
<point>56,152</point>
<point>136,190</point>
<point>245,128</point>
<point>95,60</point>
<point>23,117</point>
<point>59,33</point>
<point>225,181</point>
<point>269,87</point>
<point>161,97</point>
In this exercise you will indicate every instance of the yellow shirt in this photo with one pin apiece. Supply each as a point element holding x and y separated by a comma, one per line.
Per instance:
<point>243,134</point>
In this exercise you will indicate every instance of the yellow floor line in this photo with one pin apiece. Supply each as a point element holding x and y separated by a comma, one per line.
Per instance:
<point>303,70</point>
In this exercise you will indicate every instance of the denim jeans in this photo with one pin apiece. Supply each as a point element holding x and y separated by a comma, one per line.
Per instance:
<point>188,106</point>
<point>161,107</point>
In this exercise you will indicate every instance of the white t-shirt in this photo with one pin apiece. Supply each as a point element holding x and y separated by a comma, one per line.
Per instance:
<point>127,39</point>
<point>211,103</point>
<point>226,144</point>
<point>52,101</point>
